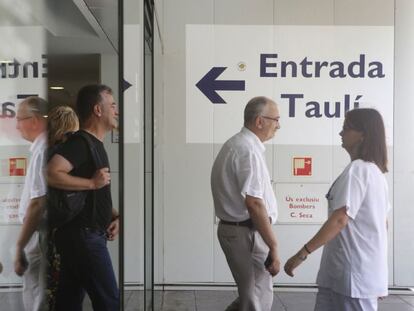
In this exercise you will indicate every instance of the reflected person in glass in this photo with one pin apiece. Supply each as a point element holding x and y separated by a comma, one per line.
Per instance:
<point>30,256</point>
<point>82,242</point>
<point>62,121</point>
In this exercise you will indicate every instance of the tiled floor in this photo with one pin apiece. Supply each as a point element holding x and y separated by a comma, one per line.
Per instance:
<point>208,300</point>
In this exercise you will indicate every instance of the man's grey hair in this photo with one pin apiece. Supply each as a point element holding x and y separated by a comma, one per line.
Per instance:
<point>36,105</point>
<point>254,108</point>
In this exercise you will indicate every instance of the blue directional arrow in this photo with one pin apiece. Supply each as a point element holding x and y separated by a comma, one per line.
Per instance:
<point>125,85</point>
<point>208,85</point>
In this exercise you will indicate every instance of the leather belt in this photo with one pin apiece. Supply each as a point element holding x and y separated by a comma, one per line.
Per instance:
<point>246,223</point>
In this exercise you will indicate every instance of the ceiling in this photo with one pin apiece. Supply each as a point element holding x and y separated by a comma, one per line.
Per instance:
<point>73,26</point>
<point>106,13</point>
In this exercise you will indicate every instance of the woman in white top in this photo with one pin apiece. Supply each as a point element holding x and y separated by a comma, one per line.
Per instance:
<point>354,270</point>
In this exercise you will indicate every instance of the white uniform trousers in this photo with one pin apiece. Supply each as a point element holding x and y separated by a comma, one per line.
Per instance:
<point>34,279</point>
<point>328,300</point>
<point>246,253</point>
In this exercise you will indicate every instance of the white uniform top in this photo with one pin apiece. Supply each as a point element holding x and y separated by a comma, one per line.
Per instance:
<point>239,170</point>
<point>354,263</point>
<point>34,183</point>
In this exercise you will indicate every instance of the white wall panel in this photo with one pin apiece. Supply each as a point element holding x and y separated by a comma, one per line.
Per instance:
<point>8,237</point>
<point>187,166</point>
<point>367,12</point>
<point>188,240</point>
<point>222,273</point>
<point>243,12</point>
<point>290,239</point>
<point>109,76</point>
<point>392,238</point>
<point>133,144</point>
<point>174,98</point>
<point>134,213</point>
<point>159,124</point>
<point>303,12</point>
<point>179,13</point>
<point>113,246</point>
<point>404,146</point>
<point>188,212</point>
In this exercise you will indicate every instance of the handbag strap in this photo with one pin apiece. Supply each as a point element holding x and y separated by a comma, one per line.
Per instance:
<point>96,161</point>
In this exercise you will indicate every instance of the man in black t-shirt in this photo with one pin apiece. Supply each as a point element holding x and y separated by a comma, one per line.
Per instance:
<point>81,243</point>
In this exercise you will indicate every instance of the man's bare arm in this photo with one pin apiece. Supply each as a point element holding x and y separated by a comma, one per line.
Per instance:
<point>58,176</point>
<point>258,214</point>
<point>31,223</point>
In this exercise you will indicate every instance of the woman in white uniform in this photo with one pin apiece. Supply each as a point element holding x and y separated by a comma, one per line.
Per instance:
<point>354,270</point>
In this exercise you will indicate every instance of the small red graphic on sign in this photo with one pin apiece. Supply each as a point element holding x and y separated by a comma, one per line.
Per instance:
<point>302,166</point>
<point>17,166</point>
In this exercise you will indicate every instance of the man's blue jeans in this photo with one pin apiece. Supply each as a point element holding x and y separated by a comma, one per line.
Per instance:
<point>85,267</point>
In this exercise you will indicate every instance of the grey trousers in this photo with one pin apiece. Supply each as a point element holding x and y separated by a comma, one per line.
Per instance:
<point>246,252</point>
<point>34,279</point>
<point>328,300</point>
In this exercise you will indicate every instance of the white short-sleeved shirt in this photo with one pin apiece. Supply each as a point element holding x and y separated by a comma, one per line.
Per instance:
<point>354,263</point>
<point>240,169</point>
<point>34,183</point>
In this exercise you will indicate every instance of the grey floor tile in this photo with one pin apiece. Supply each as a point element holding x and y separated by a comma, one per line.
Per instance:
<point>158,300</point>
<point>277,304</point>
<point>395,307</point>
<point>207,300</point>
<point>135,301</point>
<point>87,304</point>
<point>391,299</point>
<point>394,303</point>
<point>213,301</point>
<point>408,299</point>
<point>297,301</point>
<point>179,301</point>
<point>127,296</point>
<point>11,301</point>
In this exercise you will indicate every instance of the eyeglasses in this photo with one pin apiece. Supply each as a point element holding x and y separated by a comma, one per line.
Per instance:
<point>270,118</point>
<point>24,118</point>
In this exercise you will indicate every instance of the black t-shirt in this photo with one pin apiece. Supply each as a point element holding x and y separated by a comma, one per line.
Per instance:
<point>77,152</point>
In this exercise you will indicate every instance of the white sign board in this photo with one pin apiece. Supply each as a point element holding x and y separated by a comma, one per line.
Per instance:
<point>302,203</point>
<point>23,72</point>
<point>314,73</point>
<point>9,203</point>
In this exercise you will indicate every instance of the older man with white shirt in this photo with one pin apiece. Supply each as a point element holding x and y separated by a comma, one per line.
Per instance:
<point>246,205</point>
<point>29,260</point>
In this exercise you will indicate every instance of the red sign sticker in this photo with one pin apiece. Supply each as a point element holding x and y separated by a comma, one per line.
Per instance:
<point>17,166</point>
<point>302,166</point>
